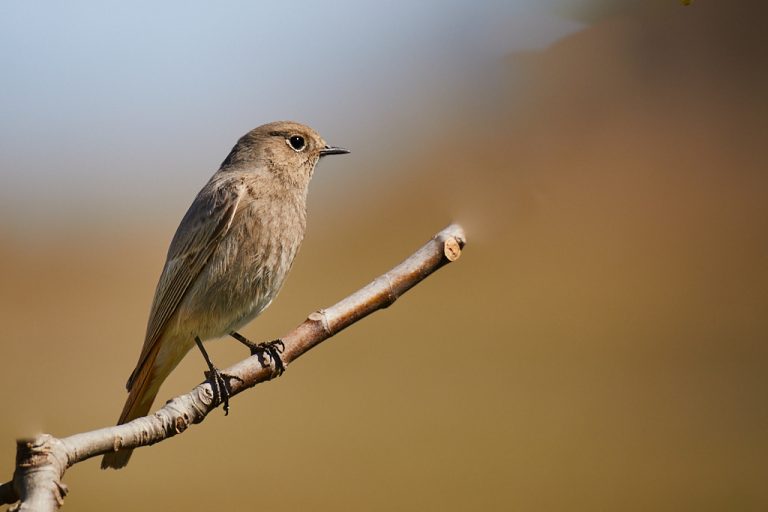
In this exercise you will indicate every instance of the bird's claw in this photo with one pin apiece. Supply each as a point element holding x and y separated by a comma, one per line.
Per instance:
<point>220,386</point>
<point>273,349</point>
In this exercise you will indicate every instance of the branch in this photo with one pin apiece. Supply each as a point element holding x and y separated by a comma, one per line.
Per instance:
<point>42,461</point>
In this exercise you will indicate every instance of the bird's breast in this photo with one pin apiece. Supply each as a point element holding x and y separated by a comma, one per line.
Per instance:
<point>248,267</point>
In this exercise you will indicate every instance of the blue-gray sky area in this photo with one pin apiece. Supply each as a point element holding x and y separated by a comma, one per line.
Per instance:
<point>133,105</point>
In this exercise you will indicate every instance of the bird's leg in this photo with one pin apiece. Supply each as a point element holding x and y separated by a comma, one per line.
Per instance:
<point>272,348</point>
<point>219,381</point>
<point>255,349</point>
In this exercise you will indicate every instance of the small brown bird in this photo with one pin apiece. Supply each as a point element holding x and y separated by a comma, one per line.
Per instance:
<point>228,259</point>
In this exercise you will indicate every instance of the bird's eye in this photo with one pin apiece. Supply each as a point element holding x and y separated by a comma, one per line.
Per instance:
<point>297,142</point>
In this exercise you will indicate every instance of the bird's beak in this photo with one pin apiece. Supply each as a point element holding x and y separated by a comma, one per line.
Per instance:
<point>332,150</point>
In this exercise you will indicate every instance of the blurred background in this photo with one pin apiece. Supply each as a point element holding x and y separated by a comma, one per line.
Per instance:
<point>601,344</point>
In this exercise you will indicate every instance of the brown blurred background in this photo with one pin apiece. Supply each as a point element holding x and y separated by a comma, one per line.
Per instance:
<point>601,344</point>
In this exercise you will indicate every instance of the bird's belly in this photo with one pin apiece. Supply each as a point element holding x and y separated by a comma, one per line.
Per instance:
<point>217,310</point>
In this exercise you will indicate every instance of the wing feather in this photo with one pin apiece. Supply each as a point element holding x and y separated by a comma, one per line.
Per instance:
<point>202,228</point>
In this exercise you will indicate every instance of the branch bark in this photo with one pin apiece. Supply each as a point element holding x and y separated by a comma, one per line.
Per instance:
<point>42,461</point>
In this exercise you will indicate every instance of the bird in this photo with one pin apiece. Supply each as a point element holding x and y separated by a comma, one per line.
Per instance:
<point>228,259</point>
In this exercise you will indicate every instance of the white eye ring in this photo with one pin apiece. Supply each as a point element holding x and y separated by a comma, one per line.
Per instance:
<point>296,143</point>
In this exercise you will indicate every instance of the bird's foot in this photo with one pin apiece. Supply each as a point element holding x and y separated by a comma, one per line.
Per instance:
<point>220,385</point>
<point>268,352</point>
<point>219,380</point>
<point>273,349</point>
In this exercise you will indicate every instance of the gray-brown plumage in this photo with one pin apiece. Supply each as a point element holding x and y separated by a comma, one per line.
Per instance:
<point>230,254</point>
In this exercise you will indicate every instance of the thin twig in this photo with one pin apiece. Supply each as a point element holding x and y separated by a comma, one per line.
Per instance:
<point>42,461</point>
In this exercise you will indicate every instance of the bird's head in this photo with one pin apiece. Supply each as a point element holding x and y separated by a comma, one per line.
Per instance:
<point>286,149</point>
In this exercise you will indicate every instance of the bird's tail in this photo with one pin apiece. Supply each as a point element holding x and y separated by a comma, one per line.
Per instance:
<point>145,384</point>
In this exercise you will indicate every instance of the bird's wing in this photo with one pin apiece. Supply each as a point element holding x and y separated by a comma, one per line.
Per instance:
<point>202,228</point>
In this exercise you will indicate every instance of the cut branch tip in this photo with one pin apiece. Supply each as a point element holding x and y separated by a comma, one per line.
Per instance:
<point>452,249</point>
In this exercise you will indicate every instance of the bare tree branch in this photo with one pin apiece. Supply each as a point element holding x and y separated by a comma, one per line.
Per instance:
<point>42,461</point>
